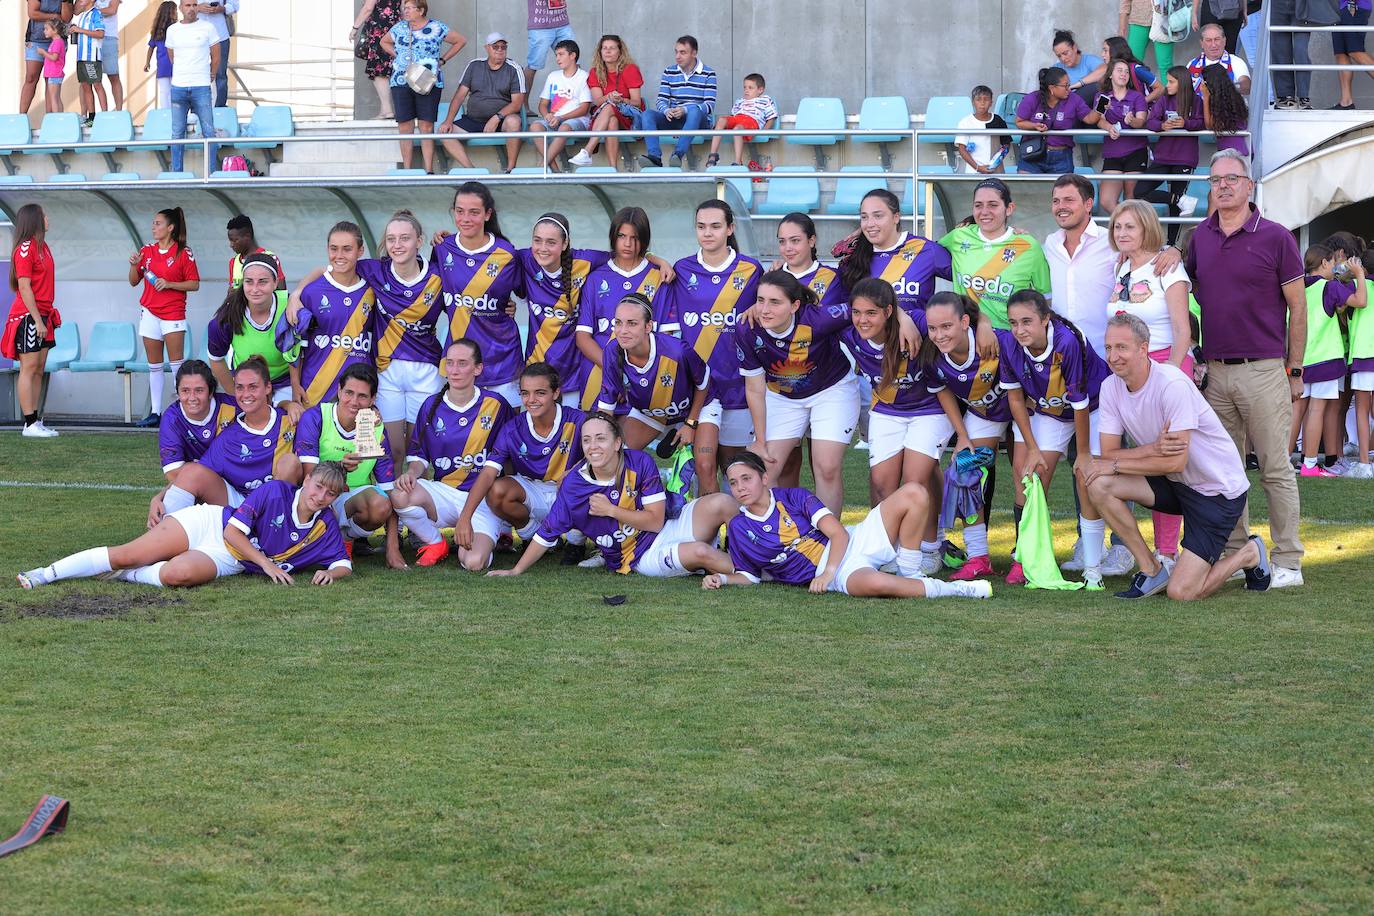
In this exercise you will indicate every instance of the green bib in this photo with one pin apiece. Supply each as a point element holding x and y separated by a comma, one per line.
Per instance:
<point>1362,328</point>
<point>333,446</point>
<point>251,341</point>
<point>1323,331</point>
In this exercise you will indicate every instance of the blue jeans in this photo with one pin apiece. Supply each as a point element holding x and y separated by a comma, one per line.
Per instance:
<point>186,99</point>
<point>653,119</point>
<point>1289,48</point>
<point>222,76</point>
<point>1057,161</point>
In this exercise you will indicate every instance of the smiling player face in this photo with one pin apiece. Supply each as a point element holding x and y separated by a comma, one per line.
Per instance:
<point>470,217</point>
<point>946,329</point>
<point>547,245</point>
<point>316,495</point>
<point>990,213</point>
<point>631,328</point>
<point>538,396</point>
<point>1028,327</point>
<point>253,394</point>
<point>600,445</point>
<point>869,318</point>
<point>194,396</point>
<point>401,241</point>
<point>878,222</point>
<point>344,251</point>
<point>795,246</point>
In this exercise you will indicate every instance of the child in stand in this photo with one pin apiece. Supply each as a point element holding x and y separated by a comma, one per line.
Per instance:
<point>55,66</point>
<point>157,44</point>
<point>1324,357</point>
<point>980,155</point>
<point>754,111</point>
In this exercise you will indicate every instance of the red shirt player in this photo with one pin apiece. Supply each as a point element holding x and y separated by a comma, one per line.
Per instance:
<point>28,330</point>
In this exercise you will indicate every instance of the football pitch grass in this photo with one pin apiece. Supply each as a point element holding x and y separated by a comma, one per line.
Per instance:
<point>434,740</point>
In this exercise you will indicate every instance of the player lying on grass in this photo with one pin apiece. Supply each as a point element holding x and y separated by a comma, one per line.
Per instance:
<point>788,535</point>
<point>276,530</point>
<point>616,498</point>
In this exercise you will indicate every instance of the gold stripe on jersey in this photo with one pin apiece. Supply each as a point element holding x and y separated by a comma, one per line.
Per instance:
<point>662,396</point>
<point>477,439</point>
<point>886,392</point>
<point>329,370</point>
<point>1055,388</point>
<point>226,415</point>
<point>627,501</point>
<point>286,437</point>
<point>901,260</point>
<point>998,263</point>
<point>316,532</point>
<point>390,338</point>
<point>984,381</point>
<point>724,305</point>
<point>591,388</point>
<point>821,280</point>
<point>478,284</point>
<point>558,462</point>
<point>651,284</point>
<point>551,325</point>
<point>791,539</point>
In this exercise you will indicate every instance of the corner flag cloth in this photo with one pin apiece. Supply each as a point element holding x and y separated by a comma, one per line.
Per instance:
<point>1035,541</point>
<point>49,816</point>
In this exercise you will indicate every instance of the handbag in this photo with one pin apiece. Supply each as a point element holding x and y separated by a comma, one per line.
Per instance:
<point>419,78</point>
<point>1171,21</point>
<point>1031,148</point>
<point>360,44</point>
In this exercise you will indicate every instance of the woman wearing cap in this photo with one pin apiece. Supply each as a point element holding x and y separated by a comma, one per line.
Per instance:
<point>246,324</point>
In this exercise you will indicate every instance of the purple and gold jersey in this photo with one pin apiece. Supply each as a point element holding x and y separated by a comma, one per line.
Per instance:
<point>785,544</point>
<point>803,360</point>
<point>454,440</point>
<point>244,456</point>
<point>477,290</point>
<point>978,382</point>
<point>520,451</point>
<point>636,486</point>
<point>268,518</point>
<point>334,329</point>
<point>405,320</point>
<point>911,394</point>
<point>911,267</point>
<point>602,292</point>
<point>662,389</point>
<point>1057,382</point>
<point>825,283</point>
<point>552,330</point>
<point>703,307</point>
<point>180,439</point>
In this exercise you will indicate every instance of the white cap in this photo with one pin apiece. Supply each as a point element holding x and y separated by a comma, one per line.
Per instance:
<point>494,37</point>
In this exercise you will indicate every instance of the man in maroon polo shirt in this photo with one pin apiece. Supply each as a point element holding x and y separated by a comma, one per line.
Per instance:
<point>1248,279</point>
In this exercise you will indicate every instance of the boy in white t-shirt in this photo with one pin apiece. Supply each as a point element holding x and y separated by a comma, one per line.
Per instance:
<point>979,150</point>
<point>753,111</point>
<point>565,101</point>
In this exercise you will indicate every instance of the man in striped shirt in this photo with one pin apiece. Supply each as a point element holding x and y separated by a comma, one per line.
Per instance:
<point>686,99</point>
<point>88,28</point>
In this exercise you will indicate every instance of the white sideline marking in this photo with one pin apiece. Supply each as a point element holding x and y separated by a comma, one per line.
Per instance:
<point>38,485</point>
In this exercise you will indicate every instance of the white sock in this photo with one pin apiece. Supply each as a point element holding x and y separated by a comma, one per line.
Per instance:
<point>976,540</point>
<point>935,588</point>
<point>172,366</point>
<point>931,549</point>
<point>575,537</point>
<point>909,562</point>
<point>155,387</point>
<point>352,529</point>
<point>80,565</point>
<point>176,499</point>
<point>143,575</point>
<point>420,524</point>
<point>1309,462</point>
<point>527,531</point>
<point>1093,533</point>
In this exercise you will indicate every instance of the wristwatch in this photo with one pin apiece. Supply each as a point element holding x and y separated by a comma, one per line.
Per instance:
<point>1295,371</point>
<point>691,424</point>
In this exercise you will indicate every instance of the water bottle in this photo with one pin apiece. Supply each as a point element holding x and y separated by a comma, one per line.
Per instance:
<point>150,276</point>
<point>997,158</point>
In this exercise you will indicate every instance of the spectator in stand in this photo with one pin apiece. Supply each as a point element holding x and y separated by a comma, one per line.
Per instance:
<point>39,12</point>
<point>686,99</point>
<point>54,64</point>
<point>109,52</point>
<point>194,52</point>
<point>376,18</point>
<point>617,97</point>
<point>752,111</point>
<point>1122,108</point>
<point>243,242</point>
<point>1228,15</point>
<point>547,24</point>
<point>1294,87</point>
<point>981,155</point>
<point>419,40</point>
<point>157,45</point>
<point>1254,334</point>
<point>1143,80</point>
<point>217,13</point>
<point>491,95</point>
<point>1178,109</point>
<point>1053,107</point>
<point>1076,64</point>
<point>1224,110</point>
<point>1134,21</point>
<point>28,334</point>
<point>1214,51</point>
<point>1349,49</point>
<point>88,30</point>
<point>564,102</point>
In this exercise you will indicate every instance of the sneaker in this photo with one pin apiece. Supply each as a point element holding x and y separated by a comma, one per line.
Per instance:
<point>1283,577</point>
<point>348,549</point>
<point>1259,578</point>
<point>1187,205</point>
<point>38,431</point>
<point>1340,467</point>
<point>861,446</point>
<point>930,565</point>
<point>952,555</point>
<point>1075,562</point>
<point>655,161</point>
<point>148,422</point>
<point>432,554</point>
<point>1315,470</point>
<point>505,543</point>
<point>1017,576</point>
<point>1287,103</point>
<point>713,159</point>
<point>582,158</point>
<point>1144,585</point>
<point>1360,471</point>
<point>1092,579</point>
<point>1252,462</point>
<point>976,567</point>
<point>1350,107</point>
<point>1305,104</point>
<point>1118,561</point>
<point>595,561</point>
<point>31,579</point>
<point>979,588</point>
<point>675,160</point>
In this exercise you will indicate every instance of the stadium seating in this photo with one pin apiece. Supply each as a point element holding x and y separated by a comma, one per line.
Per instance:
<point>818,114</point>
<point>788,194</point>
<point>121,176</point>
<point>111,345</point>
<point>472,171</point>
<point>174,176</point>
<point>849,192</point>
<point>15,133</point>
<point>883,112</point>
<point>405,173</point>
<point>157,125</point>
<point>139,363</point>
<point>945,112</point>
<point>59,130</point>
<point>16,179</point>
<point>745,185</point>
<point>67,347</point>
<point>267,121</point>
<point>1005,105</point>
<point>914,194</point>
<point>227,122</point>
<point>67,177</point>
<point>115,128</point>
<point>236,174</point>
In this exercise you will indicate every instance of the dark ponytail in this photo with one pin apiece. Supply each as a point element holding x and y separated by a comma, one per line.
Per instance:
<point>1037,300</point>
<point>1050,76</point>
<point>570,289</point>
<point>857,263</point>
<point>177,218</point>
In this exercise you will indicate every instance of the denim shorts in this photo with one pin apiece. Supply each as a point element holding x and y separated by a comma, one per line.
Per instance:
<point>542,42</point>
<point>109,55</point>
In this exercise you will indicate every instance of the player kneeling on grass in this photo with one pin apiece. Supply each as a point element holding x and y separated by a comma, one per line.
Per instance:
<point>276,530</point>
<point>1186,464</point>
<point>616,497</point>
<point>453,434</point>
<point>789,536</point>
<point>326,432</point>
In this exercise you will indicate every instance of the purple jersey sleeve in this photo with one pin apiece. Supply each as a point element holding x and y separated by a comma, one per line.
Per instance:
<point>384,471</point>
<point>612,395</point>
<point>1335,294</point>
<point>1071,367</point>
<point>308,434</point>
<point>744,563</point>
<point>217,340</point>
<point>749,362</point>
<point>593,256</point>
<point>170,448</point>
<point>560,519</point>
<point>257,504</point>
<point>650,483</point>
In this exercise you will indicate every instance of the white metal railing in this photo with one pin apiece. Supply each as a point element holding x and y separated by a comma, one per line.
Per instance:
<point>337,80</point>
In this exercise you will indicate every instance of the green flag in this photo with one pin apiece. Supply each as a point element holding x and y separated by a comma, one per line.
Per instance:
<point>1035,541</point>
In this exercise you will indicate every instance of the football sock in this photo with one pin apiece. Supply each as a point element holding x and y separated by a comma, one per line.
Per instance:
<point>909,562</point>
<point>80,565</point>
<point>976,540</point>
<point>1094,530</point>
<point>420,524</point>
<point>176,499</point>
<point>155,388</point>
<point>144,575</point>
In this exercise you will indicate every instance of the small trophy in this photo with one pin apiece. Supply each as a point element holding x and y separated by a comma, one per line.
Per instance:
<point>365,439</point>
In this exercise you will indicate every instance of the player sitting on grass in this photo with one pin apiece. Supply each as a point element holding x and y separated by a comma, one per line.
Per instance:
<point>616,498</point>
<point>276,530</point>
<point>789,536</point>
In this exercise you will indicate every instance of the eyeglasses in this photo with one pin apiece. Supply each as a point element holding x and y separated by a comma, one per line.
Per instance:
<point>1217,181</point>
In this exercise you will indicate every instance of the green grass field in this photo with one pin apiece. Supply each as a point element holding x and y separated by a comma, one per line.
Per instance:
<point>439,741</point>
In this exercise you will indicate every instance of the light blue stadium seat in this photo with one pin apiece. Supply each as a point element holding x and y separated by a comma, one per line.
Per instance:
<point>113,127</point>
<point>267,121</point>
<point>16,179</point>
<point>175,176</point>
<point>68,178</point>
<point>945,112</point>
<point>788,194</point>
<point>139,363</point>
<point>884,112</point>
<point>596,170</point>
<point>527,170</point>
<point>14,133</point>
<point>406,173</point>
<point>1005,105</point>
<point>744,185</point>
<point>659,170</point>
<point>121,176</point>
<point>111,345</point>
<point>478,140</point>
<point>232,174</point>
<point>814,113</point>
<point>60,129</point>
<point>227,122</point>
<point>157,125</point>
<point>472,171</point>
<point>67,347</point>
<point>849,192</point>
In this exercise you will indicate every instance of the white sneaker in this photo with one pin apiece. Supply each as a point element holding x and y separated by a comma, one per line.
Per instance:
<point>1361,471</point>
<point>1075,562</point>
<point>1118,561</point>
<point>1351,450</point>
<point>1283,577</point>
<point>32,579</point>
<point>581,158</point>
<point>595,561</point>
<point>38,431</point>
<point>1187,205</point>
<point>930,565</point>
<point>861,446</point>
<point>1092,580</point>
<point>974,588</point>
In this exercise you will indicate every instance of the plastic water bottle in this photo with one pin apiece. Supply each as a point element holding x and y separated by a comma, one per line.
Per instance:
<point>997,158</point>
<point>150,276</point>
